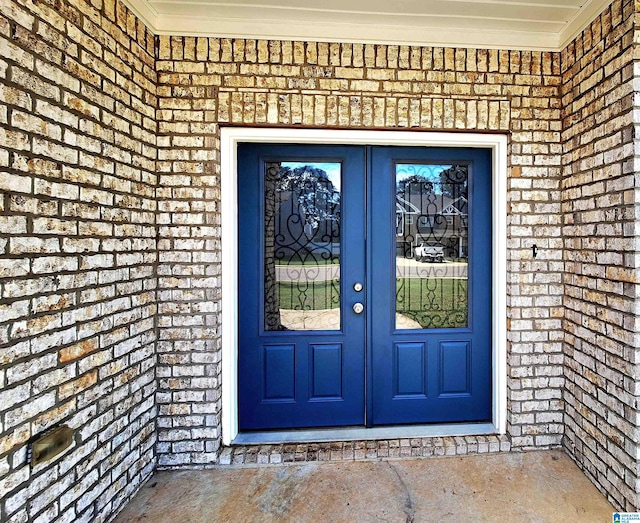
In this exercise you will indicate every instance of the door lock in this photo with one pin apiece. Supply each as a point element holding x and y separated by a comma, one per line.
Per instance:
<point>357,286</point>
<point>358,308</point>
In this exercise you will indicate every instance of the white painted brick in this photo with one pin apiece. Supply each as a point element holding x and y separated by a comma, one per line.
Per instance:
<point>15,183</point>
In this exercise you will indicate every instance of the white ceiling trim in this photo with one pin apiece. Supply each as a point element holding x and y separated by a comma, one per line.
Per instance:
<point>185,18</point>
<point>581,19</point>
<point>358,33</point>
<point>145,12</point>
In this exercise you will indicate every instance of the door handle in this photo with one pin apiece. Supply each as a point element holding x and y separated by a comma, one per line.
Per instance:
<point>358,308</point>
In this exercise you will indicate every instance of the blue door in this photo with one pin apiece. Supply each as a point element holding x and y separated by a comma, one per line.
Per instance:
<point>364,286</point>
<point>301,216</point>
<point>430,317</point>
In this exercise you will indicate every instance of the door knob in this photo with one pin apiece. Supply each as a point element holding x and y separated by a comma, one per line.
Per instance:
<point>357,286</point>
<point>358,308</point>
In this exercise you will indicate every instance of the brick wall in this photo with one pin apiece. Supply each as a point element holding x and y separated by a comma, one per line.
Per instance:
<point>109,221</point>
<point>189,258</point>
<point>203,82</point>
<point>77,255</point>
<point>600,239</point>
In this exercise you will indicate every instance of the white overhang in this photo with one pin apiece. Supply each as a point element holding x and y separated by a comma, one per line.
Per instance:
<point>545,25</point>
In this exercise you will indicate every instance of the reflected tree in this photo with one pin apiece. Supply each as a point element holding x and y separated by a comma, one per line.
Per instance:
<point>302,222</point>
<point>317,198</point>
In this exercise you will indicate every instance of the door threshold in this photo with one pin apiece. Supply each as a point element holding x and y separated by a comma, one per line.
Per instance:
<point>362,433</point>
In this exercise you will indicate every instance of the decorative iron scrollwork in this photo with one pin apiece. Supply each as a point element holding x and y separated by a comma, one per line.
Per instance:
<point>302,241</point>
<point>432,244</point>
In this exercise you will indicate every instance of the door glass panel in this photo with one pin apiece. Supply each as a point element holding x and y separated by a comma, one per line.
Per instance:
<point>302,246</point>
<point>432,248</point>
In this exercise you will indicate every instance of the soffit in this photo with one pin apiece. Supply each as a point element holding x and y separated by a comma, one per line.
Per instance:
<point>504,24</point>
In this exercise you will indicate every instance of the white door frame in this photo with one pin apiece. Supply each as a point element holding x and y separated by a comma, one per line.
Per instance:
<point>230,137</point>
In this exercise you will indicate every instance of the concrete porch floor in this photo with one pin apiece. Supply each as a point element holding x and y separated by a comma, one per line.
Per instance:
<point>513,487</point>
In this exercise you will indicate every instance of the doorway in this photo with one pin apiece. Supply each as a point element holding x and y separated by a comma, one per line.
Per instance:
<point>364,285</point>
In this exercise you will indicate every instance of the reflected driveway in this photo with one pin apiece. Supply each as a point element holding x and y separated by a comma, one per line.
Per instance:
<point>405,268</point>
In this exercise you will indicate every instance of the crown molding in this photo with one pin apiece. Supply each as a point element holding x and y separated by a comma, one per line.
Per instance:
<point>145,12</point>
<point>358,33</point>
<point>580,21</point>
<point>197,18</point>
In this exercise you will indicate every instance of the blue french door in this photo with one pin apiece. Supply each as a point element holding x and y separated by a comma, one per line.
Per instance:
<point>301,358</point>
<point>430,318</point>
<point>364,289</point>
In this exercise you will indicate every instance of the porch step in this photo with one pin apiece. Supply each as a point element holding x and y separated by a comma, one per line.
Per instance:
<point>362,450</point>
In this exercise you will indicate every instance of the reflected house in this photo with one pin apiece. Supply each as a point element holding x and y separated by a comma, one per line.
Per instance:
<point>434,219</point>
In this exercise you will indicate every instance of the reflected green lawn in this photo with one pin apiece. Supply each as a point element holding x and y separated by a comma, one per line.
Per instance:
<point>305,296</point>
<point>434,303</point>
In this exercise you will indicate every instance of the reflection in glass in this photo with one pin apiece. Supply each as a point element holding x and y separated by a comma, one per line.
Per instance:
<point>302,246</point>
<point>432,247</point>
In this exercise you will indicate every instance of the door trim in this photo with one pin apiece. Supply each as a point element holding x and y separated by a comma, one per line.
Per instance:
<point>229,139</point>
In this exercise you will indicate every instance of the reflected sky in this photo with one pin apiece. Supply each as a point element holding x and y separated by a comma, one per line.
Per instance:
<point>332,169</point>
<point>430,172</point>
